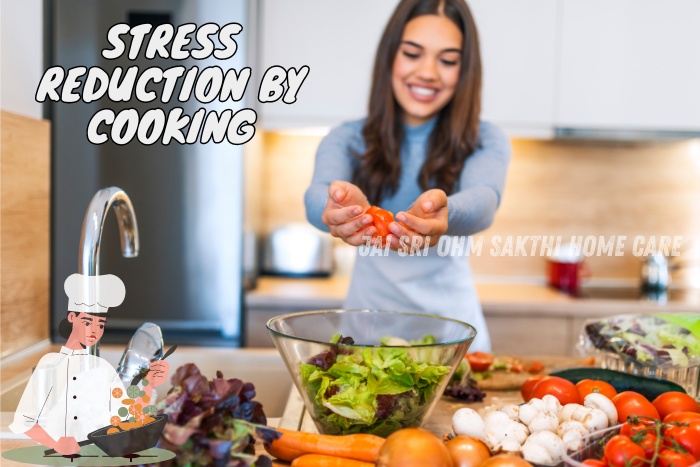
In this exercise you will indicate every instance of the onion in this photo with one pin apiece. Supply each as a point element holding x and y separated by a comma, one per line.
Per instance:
<point>467,451</point>
<point>414,447</point>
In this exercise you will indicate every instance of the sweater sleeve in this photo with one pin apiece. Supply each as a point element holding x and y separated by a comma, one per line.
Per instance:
<point>334,161</point>
<point>472,208</point>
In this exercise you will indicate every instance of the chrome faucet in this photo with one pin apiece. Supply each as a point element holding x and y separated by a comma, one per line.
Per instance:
<point>91,236</point>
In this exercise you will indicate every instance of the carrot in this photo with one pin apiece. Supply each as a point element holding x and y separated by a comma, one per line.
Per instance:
<point>320,460</point>
<point>282,452</point>
<point>361,447</point>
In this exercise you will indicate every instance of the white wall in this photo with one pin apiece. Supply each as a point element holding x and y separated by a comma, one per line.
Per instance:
<point>21,55</point>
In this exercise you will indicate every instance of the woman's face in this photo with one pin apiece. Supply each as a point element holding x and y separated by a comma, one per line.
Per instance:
<point>88,329</point>
<point>426,67</point>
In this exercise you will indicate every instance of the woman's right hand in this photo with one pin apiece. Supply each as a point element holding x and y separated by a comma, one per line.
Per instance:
<point>344,213</point>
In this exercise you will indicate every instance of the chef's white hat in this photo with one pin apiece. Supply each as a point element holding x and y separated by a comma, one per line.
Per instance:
<point>93,294</point>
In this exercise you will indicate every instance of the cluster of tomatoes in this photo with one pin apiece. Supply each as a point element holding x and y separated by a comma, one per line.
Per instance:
<point>138,415</point>
<point>662,433</point>
<point>645,441</point>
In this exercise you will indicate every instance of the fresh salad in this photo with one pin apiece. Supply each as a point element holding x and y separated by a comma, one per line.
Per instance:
<point>371,390</point>
<point>664,341</point>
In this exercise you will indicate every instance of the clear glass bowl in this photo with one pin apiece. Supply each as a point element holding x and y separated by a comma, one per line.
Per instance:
<point>368,387</point>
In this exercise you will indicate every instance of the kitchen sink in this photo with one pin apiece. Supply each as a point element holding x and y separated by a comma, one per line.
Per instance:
<point>262,367</point>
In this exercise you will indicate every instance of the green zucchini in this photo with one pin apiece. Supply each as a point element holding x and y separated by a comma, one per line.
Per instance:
<point>650,388</point>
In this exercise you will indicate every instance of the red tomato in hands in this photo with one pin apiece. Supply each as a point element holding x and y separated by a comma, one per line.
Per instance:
<point>480,361</point>
<point>564,390</point>
<point>621,451</point>
<point>673,401</point>
<point>382,218</point>
<point>630,404</point>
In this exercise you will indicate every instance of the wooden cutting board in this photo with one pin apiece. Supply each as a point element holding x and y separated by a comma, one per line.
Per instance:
<point>508,381</point>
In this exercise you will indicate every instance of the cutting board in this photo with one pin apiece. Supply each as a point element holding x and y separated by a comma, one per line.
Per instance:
<point>25,174</point>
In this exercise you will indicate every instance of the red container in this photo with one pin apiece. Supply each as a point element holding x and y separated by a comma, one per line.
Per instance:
<point>566,276</point>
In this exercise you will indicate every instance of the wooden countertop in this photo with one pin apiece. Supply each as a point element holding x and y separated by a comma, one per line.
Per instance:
<point>496,298</point>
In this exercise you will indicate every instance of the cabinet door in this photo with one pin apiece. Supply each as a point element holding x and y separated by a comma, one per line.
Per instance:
<point>337,40</point>
<point>518,47</point>
<point>630,64</point>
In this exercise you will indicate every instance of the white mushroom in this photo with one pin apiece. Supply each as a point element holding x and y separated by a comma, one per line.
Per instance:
<point>572,433</point>
<point>500,427</point>
<point>512,411</point>
<point>595,420</point>
<point>551,404</point>
<point>507,445</point>
<point>567,411</point>
<point>599,401</point>
<point>468,422</point>
<point>527,413</point>
<point>544,447</point>
<point>543,421</point>
<point>537,403</point>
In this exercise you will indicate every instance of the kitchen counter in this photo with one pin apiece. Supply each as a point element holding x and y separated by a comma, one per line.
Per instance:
<point>496,298</point>
<point>514,312</point>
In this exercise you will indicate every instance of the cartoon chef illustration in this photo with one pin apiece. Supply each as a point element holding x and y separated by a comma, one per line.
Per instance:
<point>71,393</point>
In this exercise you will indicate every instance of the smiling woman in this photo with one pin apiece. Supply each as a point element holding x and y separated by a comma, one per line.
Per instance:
<point>421,153</point>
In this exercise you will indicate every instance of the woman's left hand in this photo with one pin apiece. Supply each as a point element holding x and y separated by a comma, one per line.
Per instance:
<point>424,222</point>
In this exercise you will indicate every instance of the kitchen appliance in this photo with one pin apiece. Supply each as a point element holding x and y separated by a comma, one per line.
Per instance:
<point>189,197</point>
<point>298,250</point>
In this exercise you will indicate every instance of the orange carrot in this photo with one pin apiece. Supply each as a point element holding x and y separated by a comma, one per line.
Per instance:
<point>282,452</point>
<point>320,460</point>
<point>361,447</point>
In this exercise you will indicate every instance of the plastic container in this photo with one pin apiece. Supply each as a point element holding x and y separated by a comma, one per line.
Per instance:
<point>593,446</point>
<point>658,346</point>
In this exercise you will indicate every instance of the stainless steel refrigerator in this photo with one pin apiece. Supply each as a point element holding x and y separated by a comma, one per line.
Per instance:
<point>188,199</point>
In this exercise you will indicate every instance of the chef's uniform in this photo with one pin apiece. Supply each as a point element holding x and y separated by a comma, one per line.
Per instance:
<point>71,393</point>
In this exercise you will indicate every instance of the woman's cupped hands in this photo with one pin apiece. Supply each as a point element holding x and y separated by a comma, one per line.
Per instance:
<point>422,224</point>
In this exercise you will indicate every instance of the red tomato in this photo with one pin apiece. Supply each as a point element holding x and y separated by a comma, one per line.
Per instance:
<point>528,385</point>
<point>648,443</point>
<point>642,426</point>
<point>681,417</point>
<point>686,436</point>
<point>588,386</point>
<point>670,458</point>
<point>564,390</point>
<point>621,451</point>
<point>480,361</point>
<point>630,404</point>
<point>672,401</point>
<point>535,367</point>
<point>382,219</point>
<point>594,463</point>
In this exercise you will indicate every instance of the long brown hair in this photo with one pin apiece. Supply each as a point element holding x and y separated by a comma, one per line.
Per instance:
<point>457,128</point>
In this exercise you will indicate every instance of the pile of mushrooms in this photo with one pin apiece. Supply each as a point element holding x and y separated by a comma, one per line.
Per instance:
<point>541,430</point>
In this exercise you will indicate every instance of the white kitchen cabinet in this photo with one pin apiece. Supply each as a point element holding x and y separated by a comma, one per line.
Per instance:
<point>630,65</point>
<point>337,40</point>
<point>518,48</point>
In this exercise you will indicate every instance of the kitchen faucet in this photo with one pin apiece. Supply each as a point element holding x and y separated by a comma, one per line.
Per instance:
<point>91,235</point>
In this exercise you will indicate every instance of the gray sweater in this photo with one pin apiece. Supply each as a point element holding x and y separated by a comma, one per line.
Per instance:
<point>440,281</point>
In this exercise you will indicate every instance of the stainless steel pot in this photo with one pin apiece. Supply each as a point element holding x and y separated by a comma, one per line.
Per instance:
<point>656,273</point>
